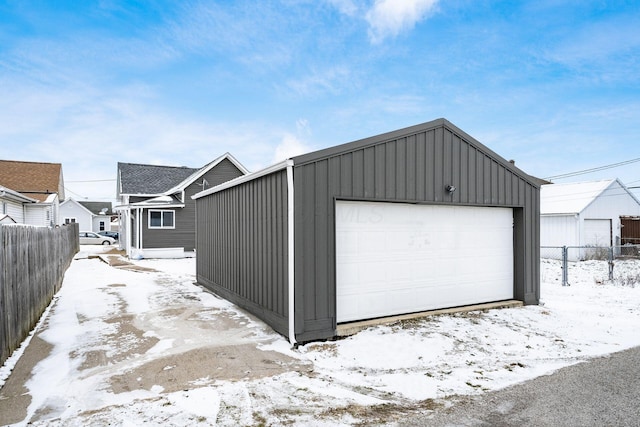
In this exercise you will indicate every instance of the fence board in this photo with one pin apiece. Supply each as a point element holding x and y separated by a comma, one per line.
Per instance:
<point>33,261</point>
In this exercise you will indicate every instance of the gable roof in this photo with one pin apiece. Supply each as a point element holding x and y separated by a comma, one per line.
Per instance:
<point>337,150</point>
<point>34,179</point>
<point>134,178</point>
<point>6,219</point>
<point>9,194</point>
<point>206,168</point>
<point>408,131</point>
<point>98,208</point>
<point>574,197</point>
<point>161,180</point>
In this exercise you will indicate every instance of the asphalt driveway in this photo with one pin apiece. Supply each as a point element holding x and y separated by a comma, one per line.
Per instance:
<point>601,392</point>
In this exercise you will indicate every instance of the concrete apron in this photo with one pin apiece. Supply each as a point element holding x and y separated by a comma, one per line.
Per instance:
<point>352,328</point>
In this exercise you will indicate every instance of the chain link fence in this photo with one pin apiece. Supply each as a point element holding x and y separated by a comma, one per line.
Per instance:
<point>567,258</point>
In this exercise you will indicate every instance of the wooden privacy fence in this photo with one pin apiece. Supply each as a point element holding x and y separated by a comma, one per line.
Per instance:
<point>33,261</point>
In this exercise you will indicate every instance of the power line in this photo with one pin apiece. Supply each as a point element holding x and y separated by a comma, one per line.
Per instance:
<point>94,180</point>
<point>596,169</point>
<point>73,192</point>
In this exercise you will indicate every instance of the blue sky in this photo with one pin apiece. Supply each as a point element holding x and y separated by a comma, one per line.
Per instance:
<point>554,85</point>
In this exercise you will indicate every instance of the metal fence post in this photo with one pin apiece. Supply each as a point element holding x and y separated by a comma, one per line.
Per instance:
<point>611,264</point>
<point>565,266</point>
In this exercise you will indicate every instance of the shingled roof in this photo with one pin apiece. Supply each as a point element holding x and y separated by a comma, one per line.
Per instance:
<point>34,179</point>
<point>135,178</point>
<point>98,208</point>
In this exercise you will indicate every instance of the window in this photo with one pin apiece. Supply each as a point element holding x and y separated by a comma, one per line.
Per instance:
<point>69,220</point>
<point>101,225</point>
<point>161,219</point>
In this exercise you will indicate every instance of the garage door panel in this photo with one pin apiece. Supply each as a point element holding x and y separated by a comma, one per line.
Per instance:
<point>414,257</point>
<point>597,232</point>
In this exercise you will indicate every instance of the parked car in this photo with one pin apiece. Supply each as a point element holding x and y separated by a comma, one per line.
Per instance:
<point>113,234</point>
<point>91,238</point>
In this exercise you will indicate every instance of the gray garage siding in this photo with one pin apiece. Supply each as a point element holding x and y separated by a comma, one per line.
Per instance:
<point>412,165</point>
<point>242,231</point>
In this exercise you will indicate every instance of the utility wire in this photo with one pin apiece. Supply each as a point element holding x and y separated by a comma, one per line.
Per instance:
<point>596,169</point>
<point>94,180</point>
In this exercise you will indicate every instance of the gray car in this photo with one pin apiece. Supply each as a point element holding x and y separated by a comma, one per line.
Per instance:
<point>91,238</point>
<point>113,234</point>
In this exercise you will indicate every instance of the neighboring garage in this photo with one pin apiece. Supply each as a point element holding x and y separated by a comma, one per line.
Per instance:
<point>416,219</point>
<point>580,215</point>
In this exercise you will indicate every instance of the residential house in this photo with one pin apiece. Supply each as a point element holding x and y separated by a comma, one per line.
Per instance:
<point>585,214</point>
<point>91,216</point>
<point>157,213</point>
<point>13,206</point>
<point>40,181</point>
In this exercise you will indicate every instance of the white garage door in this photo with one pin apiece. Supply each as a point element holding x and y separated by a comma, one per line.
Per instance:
<point>597,232</point>
<point>394,258</point>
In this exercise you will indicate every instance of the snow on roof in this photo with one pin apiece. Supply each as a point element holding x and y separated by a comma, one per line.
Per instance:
<point>570,198</point>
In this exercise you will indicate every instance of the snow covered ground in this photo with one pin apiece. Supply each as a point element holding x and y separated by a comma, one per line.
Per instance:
<point>377,376</point>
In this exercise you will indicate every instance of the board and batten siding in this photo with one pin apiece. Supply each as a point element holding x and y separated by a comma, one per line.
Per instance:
<point>242,228</point>
<point>243,232</point>
<point>413,166</point>
<point>184,233</point>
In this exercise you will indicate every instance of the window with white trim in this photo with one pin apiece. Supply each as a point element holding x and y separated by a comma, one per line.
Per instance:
<point>101,225</point>
<point>162,218</point>
<point>69,220</point>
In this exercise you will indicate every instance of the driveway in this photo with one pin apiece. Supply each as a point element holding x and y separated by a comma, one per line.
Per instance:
<point>600,392</point>
<point>131,344</point>
<point>177,338</point>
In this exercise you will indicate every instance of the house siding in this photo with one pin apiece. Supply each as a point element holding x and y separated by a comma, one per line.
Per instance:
<point>183,235</point>
<point>559,230</point>
<point>15,210</point>
<point>73,210</point>
<point>415,168</point>
<point>243,232</point>
<point>101,218</point>
<point>37,215</point>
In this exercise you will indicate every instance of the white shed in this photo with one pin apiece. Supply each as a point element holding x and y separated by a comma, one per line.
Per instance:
<point>584,213</point>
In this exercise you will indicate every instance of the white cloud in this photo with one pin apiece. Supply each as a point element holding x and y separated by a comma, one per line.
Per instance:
<point>290,146</point>
<point>347,7</point>
<point>332,80</point>
<point>303,126</point>
<point>388,18</point>
<point>89,130</point>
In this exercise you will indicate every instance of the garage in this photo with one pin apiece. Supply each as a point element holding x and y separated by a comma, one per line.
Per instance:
<point>414,219</point>
<point>397,258</point>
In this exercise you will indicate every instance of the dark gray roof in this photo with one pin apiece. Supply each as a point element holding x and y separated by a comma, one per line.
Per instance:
<point>96,208</point>
<point>150,179</point>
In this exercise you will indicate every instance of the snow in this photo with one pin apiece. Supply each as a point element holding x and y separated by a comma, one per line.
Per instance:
<point>322,383</point>
<point>570,198</point>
